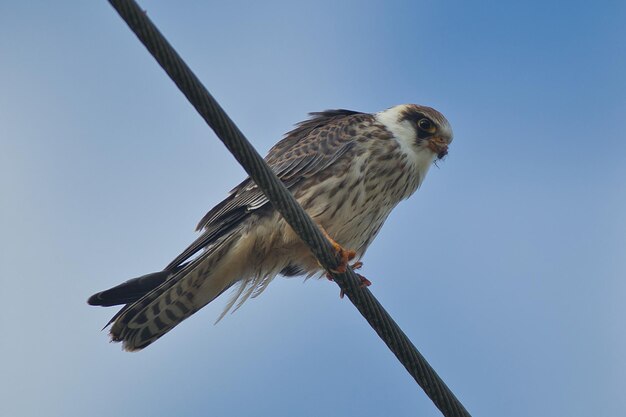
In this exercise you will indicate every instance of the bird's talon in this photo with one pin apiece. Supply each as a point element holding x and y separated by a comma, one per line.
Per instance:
<point>339,270</point>
<point>357,265</point>
<point>346,255</point>
<point>364,281</point>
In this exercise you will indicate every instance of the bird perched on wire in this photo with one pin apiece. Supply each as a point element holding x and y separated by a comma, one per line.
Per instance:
<point>347,169</point>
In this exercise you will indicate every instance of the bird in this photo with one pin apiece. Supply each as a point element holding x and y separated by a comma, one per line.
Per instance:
<point>347,169</point>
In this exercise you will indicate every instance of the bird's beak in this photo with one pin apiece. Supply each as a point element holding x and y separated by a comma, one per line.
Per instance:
<point>438,145</point>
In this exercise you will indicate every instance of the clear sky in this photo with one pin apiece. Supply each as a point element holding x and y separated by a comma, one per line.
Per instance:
<point>507,268</point>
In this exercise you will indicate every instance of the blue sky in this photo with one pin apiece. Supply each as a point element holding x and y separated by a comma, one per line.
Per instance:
<point>506,268</point>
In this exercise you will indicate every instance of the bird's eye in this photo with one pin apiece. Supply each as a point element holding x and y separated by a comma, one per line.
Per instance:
<point>426,125</point>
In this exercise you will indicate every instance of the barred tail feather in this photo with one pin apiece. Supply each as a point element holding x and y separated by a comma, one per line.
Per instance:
<point>159,311</point>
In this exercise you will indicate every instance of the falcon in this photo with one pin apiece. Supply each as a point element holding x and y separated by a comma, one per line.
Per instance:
<point>347,169</point>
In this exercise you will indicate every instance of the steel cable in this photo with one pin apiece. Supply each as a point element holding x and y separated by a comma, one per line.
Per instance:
<point>285,203</point>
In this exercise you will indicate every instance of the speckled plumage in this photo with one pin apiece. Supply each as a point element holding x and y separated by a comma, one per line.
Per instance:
<point>347,169</point>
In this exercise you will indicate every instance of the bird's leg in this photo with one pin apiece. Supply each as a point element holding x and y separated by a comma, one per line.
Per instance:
<point>346,255</point>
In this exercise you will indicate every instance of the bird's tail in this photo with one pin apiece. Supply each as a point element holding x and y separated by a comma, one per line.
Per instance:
<point>130,291</point>
<point>170,297</point>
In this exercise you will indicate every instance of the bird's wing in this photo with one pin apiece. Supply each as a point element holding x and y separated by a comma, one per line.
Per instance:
<point>311,147</point>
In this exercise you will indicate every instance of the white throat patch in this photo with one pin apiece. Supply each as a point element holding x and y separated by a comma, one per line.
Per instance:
<point>406,136</point>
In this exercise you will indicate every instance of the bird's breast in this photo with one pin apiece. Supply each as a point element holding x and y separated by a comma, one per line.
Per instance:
<point>353,203</point>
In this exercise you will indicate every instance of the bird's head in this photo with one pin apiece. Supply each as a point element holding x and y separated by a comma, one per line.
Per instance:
<point>421,127</point>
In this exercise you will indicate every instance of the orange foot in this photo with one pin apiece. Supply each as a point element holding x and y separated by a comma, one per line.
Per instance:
<point>345,255</point>
<point>364,281</point>
<point>355,265</point>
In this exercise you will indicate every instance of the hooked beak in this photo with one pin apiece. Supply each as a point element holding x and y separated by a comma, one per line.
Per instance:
<point>438,145</point>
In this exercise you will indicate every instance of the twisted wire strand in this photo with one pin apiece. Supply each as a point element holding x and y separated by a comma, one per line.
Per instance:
<point>285,203</point>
